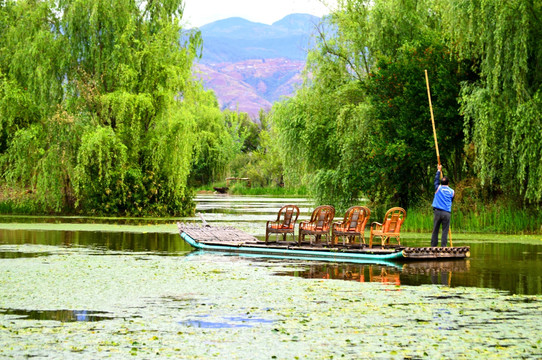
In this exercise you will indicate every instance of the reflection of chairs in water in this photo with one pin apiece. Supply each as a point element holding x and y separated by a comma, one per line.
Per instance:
<point>336,271</point>
<point>390,228</point>
<point>285,223</point>
<point>361,273</point>
<point>352,225</point>
<point>318,225</point>
<point>385,276</point>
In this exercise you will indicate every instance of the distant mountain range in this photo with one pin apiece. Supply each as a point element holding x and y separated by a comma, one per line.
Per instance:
<point>250,65</point>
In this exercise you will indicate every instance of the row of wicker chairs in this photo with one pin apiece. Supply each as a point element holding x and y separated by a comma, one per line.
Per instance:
<point>351,227</point>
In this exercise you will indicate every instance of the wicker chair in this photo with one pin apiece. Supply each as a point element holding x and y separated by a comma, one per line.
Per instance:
<point>285,223</point>
<point>390,228</point>
<point>352,225</point>
<point>318,225</point>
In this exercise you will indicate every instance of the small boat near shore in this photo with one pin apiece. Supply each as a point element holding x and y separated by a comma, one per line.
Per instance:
<point>232,240</point>
<point>221,190</point>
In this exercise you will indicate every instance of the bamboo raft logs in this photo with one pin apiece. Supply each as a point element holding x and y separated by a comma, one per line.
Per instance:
<point>222,234</point>
<point>441,252</point>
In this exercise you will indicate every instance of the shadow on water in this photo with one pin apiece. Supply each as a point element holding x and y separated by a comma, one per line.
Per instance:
<point>416,273</point>
<point>58,315</point>
<point>159,243</point>
<point>20,254</point>
<point>515,268</point>
<point>25,219</point>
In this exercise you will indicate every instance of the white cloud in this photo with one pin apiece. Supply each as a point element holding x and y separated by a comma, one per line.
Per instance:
<point>201,12</point>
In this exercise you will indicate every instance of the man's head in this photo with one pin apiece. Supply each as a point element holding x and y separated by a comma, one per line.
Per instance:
<point>444,180</point>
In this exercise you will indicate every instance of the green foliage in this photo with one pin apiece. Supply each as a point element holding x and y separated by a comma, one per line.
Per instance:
<point>360,126</point>
<point>401,131</point>
<point>218,141</point>
<point>503,109</point>
<point>241,188</point>
<point>99,174</point>
<point>31,65</point>
<point>259,159</point>
<point>98,109</point>
<point>168,156</point>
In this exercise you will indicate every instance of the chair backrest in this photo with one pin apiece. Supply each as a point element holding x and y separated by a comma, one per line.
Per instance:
<point>356,218</point>
<point>367,216</point>
<point>287,216</point>
<point>393,220</point>
<point>322,216</point>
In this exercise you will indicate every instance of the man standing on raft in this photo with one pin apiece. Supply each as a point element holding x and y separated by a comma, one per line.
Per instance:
<point>442,208</point>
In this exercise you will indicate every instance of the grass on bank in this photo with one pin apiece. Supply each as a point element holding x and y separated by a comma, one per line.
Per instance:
<point>17,201</point>
<point>493,218</point>
<point>485,219</point>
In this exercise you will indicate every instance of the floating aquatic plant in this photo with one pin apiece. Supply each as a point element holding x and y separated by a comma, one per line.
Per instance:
<point>213,306</point>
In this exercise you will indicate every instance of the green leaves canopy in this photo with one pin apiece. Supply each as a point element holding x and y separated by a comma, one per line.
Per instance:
<point>503,109</point>
<point>97,104</point>
<point>361,124</point>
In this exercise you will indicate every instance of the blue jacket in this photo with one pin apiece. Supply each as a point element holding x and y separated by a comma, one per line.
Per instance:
<point>444,195</point>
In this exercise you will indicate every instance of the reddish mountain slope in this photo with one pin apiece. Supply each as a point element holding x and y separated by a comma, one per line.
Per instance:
<point>251,85</point>
<point>251,65</point>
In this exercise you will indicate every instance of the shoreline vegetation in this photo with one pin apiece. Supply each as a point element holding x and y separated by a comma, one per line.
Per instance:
<point>494,218</point>
<point>112,122</point>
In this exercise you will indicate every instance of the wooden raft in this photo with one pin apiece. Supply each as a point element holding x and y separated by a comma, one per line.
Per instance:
<point>221,234</point>
<point>230,236</point>
<point>437,252</point>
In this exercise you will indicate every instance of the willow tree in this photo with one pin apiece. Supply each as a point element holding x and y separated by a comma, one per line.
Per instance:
<point>360,124</point>
<point>504,108</point>
<point>32,71</point>
<point>217,143</point>
<point>98,104</point>
<point>309,124</point>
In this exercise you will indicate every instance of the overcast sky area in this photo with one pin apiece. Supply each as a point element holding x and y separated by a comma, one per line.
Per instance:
<point>200,12</point>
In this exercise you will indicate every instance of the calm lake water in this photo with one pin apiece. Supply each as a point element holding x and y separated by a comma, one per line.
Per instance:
<point>140,290</point>
<point>504,263</point>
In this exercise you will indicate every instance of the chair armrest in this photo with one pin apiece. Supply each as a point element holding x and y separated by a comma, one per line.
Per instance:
<point>271,223</point>
<point>305,224</point>
<point>376,225</point>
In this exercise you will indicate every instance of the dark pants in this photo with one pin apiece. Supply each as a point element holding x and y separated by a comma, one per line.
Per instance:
<point>440,217</point>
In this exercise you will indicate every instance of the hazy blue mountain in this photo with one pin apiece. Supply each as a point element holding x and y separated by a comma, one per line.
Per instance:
<point>250,65</point>
<point>237,39</point>
<point>298,23</point>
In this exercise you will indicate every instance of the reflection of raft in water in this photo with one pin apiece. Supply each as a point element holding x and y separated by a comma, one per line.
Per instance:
<point>229,239</point>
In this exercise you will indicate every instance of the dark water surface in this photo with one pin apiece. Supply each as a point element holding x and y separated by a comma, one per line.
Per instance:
<point>57,315</point>
<point>510,265</point>
<point>516,268</point>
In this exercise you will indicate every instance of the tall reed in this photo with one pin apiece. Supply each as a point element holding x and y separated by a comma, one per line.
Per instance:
<point>485,218</point>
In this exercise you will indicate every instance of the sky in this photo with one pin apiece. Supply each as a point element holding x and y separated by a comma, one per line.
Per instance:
<point>200,12</point>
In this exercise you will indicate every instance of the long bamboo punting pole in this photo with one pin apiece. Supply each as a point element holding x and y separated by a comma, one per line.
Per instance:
<point>435,136</point>
<point>432,116</point>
